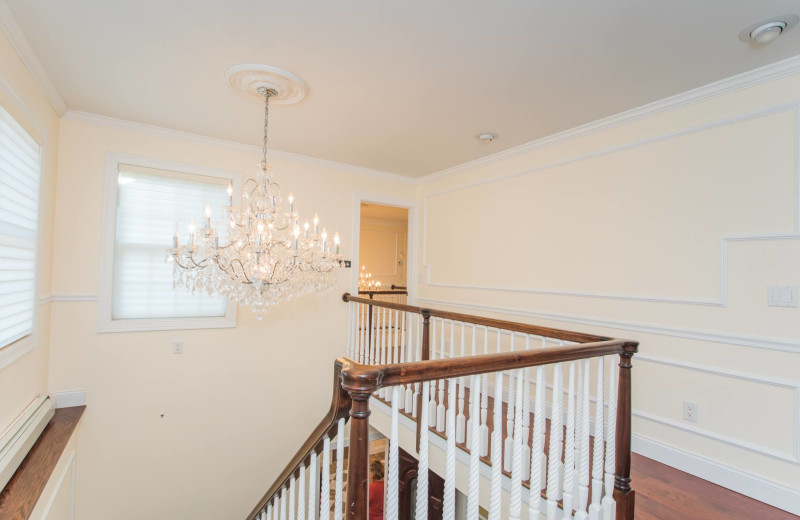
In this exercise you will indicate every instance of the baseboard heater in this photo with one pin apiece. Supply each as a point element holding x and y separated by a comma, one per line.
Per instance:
<point>17,440</point>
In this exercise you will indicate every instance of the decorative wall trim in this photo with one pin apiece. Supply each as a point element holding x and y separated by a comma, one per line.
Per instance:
<point>742,482</point>
<point>780,344</point>
<point>729,85</point>
<point>722,300</point>
<point>69,468</point>
<point>74,297</point>
<point>179,135</point>
<point>69,398</point>
<point>12,30</point>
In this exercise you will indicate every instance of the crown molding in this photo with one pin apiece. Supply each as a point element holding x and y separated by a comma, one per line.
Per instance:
<point>741,81</point>
<point>180,135</point>
<point>10,27</point>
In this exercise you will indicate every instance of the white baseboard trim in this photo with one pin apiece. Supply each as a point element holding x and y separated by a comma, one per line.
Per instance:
<point>760,489</point>
<point>69,398</point>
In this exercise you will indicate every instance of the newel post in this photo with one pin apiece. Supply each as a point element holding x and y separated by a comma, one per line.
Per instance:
<point>358,462</point>
<point>359,384</point>
<point>426,355</point>
<point>623,494</point>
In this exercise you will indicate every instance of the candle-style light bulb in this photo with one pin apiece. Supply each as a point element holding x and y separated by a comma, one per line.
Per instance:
<point>324,238</point>
<point>316,224</point>
<point>305,230</point>
<point>291,203</point>
<point>230,189</point>
<point>208,210</point>
<point>336,242</point>
<point>191,227</point>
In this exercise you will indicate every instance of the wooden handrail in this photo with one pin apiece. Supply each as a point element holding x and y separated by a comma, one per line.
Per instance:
<point>512,326</point>
<point>399,287</point>
<point>397,293</point>
<point>370,378</point>
<point>340,408</point>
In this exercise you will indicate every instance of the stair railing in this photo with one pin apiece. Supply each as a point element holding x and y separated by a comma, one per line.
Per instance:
<point>427,364</point>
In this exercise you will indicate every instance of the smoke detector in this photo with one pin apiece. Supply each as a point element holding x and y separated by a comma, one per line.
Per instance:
<point>486,137</point>
<point>768,31</point>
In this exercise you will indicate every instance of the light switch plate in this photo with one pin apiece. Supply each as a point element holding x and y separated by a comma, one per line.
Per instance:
<point>782,295</point>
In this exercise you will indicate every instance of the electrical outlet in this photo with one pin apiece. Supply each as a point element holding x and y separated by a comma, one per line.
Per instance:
<point>177,347</point>
<point>690,411</point>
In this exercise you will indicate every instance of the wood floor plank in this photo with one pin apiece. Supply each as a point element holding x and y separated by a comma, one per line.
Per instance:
<point>26,485</point>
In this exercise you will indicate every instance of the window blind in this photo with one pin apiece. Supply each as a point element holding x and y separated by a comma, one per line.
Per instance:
<point>20,167</point>
<point>150,204</point>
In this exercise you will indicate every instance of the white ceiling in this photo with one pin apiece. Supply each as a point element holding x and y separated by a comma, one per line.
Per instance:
<point>398,86</point>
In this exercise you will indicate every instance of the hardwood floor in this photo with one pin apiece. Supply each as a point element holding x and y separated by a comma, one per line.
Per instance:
<point>23,490</point>
<point>665,493</point>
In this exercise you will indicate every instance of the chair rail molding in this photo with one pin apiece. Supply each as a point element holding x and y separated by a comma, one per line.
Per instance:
<point>721,300</point>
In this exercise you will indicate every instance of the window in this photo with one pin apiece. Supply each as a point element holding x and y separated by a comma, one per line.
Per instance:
<point>20,175</point>
<point>151,201</point>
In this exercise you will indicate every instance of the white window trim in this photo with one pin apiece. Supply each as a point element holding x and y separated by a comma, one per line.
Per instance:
<point>105,323</point>
<point>22,346</point>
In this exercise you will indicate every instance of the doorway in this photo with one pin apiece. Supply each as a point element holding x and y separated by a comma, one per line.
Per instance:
<point>383,249</point>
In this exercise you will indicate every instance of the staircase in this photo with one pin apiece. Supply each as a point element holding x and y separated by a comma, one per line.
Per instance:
<point>421,376</point>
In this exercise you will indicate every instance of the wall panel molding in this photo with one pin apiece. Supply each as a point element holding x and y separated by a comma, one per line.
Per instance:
<point>779,344</point>
<point>722,300</point>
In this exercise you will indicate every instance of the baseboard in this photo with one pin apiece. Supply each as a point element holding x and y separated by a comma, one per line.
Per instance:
<point>69,398</point>
<point>760,489</point>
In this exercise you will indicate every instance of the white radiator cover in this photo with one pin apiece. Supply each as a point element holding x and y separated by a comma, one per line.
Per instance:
<point>17,440</point>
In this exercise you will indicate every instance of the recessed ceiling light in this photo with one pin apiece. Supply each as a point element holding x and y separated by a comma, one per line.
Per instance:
<point>487,137</point>
<point>768,31</point>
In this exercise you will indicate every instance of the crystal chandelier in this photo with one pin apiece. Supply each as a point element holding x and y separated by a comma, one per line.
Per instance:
<point>260,254</point>
<point>366,282</point>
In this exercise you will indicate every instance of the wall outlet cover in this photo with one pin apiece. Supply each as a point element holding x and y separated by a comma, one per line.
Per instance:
<point>782,296</point>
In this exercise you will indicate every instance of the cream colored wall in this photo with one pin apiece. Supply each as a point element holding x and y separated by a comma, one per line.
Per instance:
<point>623,232</point>
<point>238,402</point>
<point>26,377</point>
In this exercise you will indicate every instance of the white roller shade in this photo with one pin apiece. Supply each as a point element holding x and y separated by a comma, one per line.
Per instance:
<point>150,203</point>
<point>20,167</point>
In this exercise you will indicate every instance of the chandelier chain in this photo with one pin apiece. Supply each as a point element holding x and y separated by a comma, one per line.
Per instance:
<point>267,94</point>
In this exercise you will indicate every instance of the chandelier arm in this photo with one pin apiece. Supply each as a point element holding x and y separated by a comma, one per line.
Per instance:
<point>241,265</point>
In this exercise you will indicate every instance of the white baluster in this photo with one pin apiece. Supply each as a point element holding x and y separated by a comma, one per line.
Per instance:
<point>292,511</point>
<point>301,494</point>
<point>276,505</point>
<point>569,448</point>
<point>325,494</point>
<point>497,446</point>
<point>508,447</point>
<point>473,501</point>
<point>515,503</point>
<point>472,416</point>
<point>397,343</point>
<point>417,357</point>
<point>485,400</point>
<point>608,503</point>
<point>409,397</point>
<point>422,471</point>
<point>556,440</point>
<point>349,351</point>
<point>440,409</point>
<point>390,348</point>
<point>583,441</point>
<point>266,513</point>
<point>373,340</point>
<point>461,420</point>
<point>526,416</point>
<point>537,449</point>
<point>595,510</point>
<point>392,479</point>
<point>313,489</point>
<point>449,508</point>
<point>284,503</point>
<point>337,507</point>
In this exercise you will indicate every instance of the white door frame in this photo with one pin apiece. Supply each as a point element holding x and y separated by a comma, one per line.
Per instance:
<point>411,252</point>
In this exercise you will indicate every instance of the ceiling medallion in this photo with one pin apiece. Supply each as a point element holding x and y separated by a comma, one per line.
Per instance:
<point>250,78</point>
<point>259,252</point>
